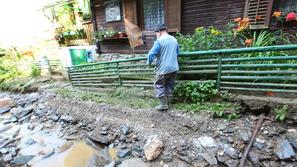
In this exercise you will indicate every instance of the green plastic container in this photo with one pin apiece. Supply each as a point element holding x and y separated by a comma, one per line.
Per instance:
<point>78,56</point>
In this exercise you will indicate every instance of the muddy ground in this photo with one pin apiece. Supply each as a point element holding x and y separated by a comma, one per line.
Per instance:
<point>121,134</point>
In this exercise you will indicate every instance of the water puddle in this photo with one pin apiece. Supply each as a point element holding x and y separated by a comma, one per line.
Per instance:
<point>77,155</point>
<point>50,151</point>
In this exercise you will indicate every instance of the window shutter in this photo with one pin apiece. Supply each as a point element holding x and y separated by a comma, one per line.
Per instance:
<point>173,15</point>
<point>259,13</point>
<point>130,11</point>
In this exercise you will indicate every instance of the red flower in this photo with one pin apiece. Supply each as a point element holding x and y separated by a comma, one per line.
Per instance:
<point>269,93</point>
<point>291,16</point>
<point>248,42</point>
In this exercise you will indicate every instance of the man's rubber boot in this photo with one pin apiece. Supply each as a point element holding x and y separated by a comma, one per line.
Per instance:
<point>169,101</point>
<point>163,104</point>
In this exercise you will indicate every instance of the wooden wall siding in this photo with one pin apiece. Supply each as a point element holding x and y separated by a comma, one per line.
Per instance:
<point>122,45</point>
<point>100,17</point>
<point>197,13</point>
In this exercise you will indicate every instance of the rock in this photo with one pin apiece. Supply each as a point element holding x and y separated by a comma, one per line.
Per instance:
<point>222,126</point>
<point>7,103</point>
<point>123,153</point>
<point>232,163</point>
<point>96,161</point>
<point>13,151</point>
<point>153,148</point>
<point>112,164</point>
<point>32,97</point>
<point>54,117</point>
<point>5,128</point>
<point>166,158</point>
<point>222,159</point>
<point>7,158</point>
<point>245,136</point>
<point>230,151</point>
<point>258,145</point>
<point>205,142</point>
<point>26,111</point>
<point>22,160</point>
<point>210,158</point>
<point>134,162</point>
<point>3,150</point>
<point>254,157</point>
<point>4,110</point>
<point>125,129</point>
<point>284,150</point>
<point>30,142</point>
<point>231,130</point>
<point>292,138</point>
<point>68,119</point>
<point>16,111</point>
<point>103,139</point>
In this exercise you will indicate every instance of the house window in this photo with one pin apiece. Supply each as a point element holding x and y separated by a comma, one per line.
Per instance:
<point>285,5</point>
<point>153,13</point>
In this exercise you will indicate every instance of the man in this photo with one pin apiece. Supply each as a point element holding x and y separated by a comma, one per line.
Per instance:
<point>165,50</point>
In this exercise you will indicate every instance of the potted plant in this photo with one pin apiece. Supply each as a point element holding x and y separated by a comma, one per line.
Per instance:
<point>286,19</point>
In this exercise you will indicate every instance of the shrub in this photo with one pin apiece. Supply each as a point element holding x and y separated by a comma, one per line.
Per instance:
<point>193,93</point>
<point>35,71</point>
<point>281,112</point>
<point>208,38</point>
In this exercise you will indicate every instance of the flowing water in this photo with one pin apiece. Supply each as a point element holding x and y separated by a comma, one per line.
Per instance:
<point>51,151</point>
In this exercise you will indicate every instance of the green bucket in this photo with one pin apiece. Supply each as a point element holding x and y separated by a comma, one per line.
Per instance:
<point>78,56</point>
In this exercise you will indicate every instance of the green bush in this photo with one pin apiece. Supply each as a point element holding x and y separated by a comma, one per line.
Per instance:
<point>281,112</point>
<point>8,69</point>
<point>194,93</point>
<point>35,71</point>
<point>208,38</point>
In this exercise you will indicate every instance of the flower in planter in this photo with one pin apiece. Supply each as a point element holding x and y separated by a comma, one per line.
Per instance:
<point>199,29</point>
<point>242,24</point>
<point>215,32</point>
<point>291,16</point>
<point>237,20</point>
<point>248,42</point>
<point>277,14</point>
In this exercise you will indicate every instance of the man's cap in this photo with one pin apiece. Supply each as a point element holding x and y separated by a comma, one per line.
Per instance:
<point>160,27</point>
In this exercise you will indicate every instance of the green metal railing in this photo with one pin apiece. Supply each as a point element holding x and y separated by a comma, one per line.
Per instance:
<point>265,69</point>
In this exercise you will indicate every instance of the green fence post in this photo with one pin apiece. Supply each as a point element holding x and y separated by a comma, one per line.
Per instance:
<point>69,77</point>
<point>219,73</point>
<point>118,72</point>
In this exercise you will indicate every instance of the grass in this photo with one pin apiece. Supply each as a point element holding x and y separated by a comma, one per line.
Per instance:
<point>22,84</point>
<point>136,98</point>
<point>121,97</point>
<point>225,110</point>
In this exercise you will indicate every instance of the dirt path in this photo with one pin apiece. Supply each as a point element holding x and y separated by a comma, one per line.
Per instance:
<point>181,132</point>
<point>189,140</point>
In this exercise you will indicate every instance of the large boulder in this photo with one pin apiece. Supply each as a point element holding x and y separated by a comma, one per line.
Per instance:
<point>153,148</point>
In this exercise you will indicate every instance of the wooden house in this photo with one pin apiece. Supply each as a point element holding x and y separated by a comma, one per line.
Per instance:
<point>182,16</point>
